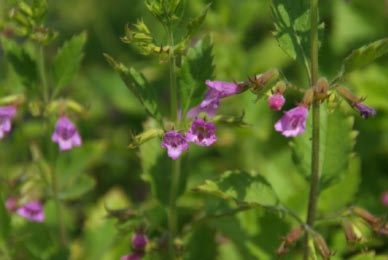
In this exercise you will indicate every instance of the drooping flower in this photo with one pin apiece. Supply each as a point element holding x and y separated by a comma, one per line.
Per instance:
<point>365,111</point>
<point>32,211</point>
<point>217,90</point>
<point>133,256</point>
<point>139,241</point>
<point>293,122</point>
<point>201,133</point>
<point>6,114</point>
<point>276,102</point>
<point>66,134</point>
<point>175,143</point>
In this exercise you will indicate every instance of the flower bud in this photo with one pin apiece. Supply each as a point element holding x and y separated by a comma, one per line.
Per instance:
<point>321,89</point>
<point>322,246</point>
<point>290,240</point>
<point>308,97</point>
<point>139,242</point>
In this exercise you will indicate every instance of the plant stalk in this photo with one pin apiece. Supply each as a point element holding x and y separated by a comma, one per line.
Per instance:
<point>42,74</point>
<point>61,224</point>
<point>176,164</point>
<point>314,179</point>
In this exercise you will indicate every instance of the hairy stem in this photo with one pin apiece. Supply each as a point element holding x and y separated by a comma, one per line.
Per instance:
<point>176,164</point>
<point>314,180</point>
<point>42,74</point>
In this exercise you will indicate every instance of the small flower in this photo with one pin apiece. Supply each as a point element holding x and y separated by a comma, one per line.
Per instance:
<point>276,102</point>
<point>6,114</point>
<point>11,204</point>
<point>293,122</point>
<point>133,256</point>
<point>32,211</point>
<point>384,198</point>
<point>224,89</point>
<point>201,133</point>
<point>139,242</point>
<point>365,111</point>
<point>175,144</point>
<point>66,134</point>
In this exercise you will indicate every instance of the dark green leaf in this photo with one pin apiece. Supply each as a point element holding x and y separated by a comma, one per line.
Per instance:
<point>337,140</point>
<point>365,55</point>
<point>5,220</point>
<point>292,24</point>
<point>138,85</point>
<point>196,22</point>
<point>67,61</point>
<point>22,63</point>
<point>77,188</point>
<point>197,67</point>
<point>202,244</point>
<point>242,187</point>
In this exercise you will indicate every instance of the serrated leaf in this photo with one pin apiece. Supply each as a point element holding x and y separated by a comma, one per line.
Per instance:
<point>196,22</point>
<point>337,140</point>
<point>68,60</point>
<point>292,23</point>
<point>138,85</point>
<point>5,220</point>
<point>197,67</point>
<point>365,55</point>
<point>242,187</point>
<point>21,62</point>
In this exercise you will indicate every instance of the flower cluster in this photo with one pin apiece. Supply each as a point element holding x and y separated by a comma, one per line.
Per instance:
<point>32,211</point>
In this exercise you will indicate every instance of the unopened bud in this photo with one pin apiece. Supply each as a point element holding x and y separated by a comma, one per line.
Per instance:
<point>290,240</point>
<point>139,241</point>
<point>308,97</point>
<point>365,215</point>
<point>352,233</point>
<point>321,89</point>
<point>322,246</point>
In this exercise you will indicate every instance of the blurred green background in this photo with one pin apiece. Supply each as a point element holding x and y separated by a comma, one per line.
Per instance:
<point>241,31</point>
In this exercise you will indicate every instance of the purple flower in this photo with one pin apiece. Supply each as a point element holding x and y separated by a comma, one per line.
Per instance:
<point>32,211</point>
<point>276,102</point>
<point>217,90</point>
<point>175,144</point>
<point>293,122</point>
<point>384,198</point>
<point>139,241</point>
<point>6,114</point>
<point>133,256</point>
<point>66,134</point>
<point>365,111</point>
<point>201,133</point>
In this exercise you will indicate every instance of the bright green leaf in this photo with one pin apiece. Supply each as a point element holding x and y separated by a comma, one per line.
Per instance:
<point>68,60</point>
<point>242,187</point>
<point>196,22</point>
<point>197,67</point>
<point>138,85</point>
<point>365,55</point>
<point>337,140</point>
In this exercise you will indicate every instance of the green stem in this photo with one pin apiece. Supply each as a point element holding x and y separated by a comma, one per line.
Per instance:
<point>42,74</point>
<point>176,164</point>
<point>314,180</point>
<point>61,224</point>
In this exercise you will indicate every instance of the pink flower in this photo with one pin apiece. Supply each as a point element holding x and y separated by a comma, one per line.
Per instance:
<point>139,241</point>
<point>66,134</point>
<point>384,198</point>
<point>32,211</point>
<point>12,204</point>
<point>293,122</point>
<point>224,89</point>
<point>175,144</point>
<point>133,256</point>
<point>6,114</point>
<point>276,102</point>
<point>365,111</point>
<point>201,133</point>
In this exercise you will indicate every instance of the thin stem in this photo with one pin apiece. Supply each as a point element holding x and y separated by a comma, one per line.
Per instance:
<point>314,180</point>
<point>42,74</point>
<point>61,224</point>
<point>173,86</point>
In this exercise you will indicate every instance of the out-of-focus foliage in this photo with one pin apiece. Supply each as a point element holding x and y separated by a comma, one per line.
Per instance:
<point>104,173</point>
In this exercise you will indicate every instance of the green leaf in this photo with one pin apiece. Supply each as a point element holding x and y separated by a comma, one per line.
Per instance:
<point>197,67</point>
<point>5,220</point>
<point>138,85</point>
<point>365,55</point>
<point>195,23</point>
<point>77,188</point>
<point>68,60</point>
<point>292,24</point>
<point>21,62</point>
<point>242,187</point>
<point>337,140</point>
<point>202,243</point>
